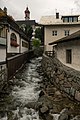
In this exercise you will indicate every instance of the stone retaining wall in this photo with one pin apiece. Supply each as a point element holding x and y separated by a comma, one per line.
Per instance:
<point>65,78</point>
<point>3,76</point>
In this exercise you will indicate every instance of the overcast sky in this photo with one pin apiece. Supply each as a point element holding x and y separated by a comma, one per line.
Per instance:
<point>40,8</point>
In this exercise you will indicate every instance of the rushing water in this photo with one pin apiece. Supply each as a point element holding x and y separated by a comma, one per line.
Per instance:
<point>18,105</point>
<point>25,90</point>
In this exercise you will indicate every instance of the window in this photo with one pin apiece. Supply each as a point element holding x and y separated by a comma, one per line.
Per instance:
<point>54,33</point>
<point>2,32</point>
<point>13,37</point>
<point>13,41</point>
<point>75,19</point>
<point>24,44</point>
<point>69,56</point>
<point>66,32</point>
<point>65,19</point>
<point>70,19</point>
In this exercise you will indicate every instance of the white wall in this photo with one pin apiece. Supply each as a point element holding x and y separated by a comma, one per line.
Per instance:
<point>61,53</point>
<point>23,49</point>
<point>60,30</point>
<point>2,54</point>
<point>2,49</point>
<point>11,49</point>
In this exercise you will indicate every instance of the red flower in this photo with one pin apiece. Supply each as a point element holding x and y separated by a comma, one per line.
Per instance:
<point>14,43</point>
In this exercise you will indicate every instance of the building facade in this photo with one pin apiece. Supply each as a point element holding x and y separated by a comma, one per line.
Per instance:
<point>67,50</point>
<point>12,35</point>
<point>56,27</point>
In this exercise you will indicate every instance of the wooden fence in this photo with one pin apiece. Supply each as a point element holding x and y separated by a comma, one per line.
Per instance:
<point>16,62</point>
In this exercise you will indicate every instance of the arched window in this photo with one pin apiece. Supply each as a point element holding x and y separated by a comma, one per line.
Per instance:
<point>13,41</point>
<point>13,37</point>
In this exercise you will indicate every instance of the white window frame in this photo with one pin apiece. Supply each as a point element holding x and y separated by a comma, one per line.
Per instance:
<point>66,32</point>
<point>54,33</point>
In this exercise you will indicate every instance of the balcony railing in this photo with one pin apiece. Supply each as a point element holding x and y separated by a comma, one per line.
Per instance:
<point>50,53</point>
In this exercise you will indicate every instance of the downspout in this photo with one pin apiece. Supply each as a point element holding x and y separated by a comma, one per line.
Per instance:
<point>7,30</point>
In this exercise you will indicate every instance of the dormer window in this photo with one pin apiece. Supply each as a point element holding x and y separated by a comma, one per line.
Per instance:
<point>70,18</point>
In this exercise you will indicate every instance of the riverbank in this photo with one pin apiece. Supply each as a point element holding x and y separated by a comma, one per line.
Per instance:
<point>53,101</point>
<point>31,96</point>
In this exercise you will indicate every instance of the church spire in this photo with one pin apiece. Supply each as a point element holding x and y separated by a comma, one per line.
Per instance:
<point>27,14</point>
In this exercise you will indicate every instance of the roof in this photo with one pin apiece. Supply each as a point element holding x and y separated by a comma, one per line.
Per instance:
<point>8,20</point>
<point>51,20</point>
<point>63,16</point>
<point>73,36</point>
<point>47,20</point>
<point>26,22</point>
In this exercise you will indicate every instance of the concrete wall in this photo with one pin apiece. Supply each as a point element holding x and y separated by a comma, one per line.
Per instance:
<point>64,78</point>
<point>48,37</point>
<point>2,49</point>
<point>75,48</point>
<point>23,48</point>
<point>20,48</point>
<point>2,53</point>
<point>10,48</point>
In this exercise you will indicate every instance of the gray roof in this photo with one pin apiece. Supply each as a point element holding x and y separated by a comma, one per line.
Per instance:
<point>73,36</point>
<point>51,20</point>
<point>26,22</point>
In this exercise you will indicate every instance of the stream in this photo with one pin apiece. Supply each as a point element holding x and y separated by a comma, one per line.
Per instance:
<point>20,102</point>
<point>25,90</point>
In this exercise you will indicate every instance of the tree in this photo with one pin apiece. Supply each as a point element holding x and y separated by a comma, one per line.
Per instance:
<point>36,43</point>
<point>29,31</point>
<point>39,33</point>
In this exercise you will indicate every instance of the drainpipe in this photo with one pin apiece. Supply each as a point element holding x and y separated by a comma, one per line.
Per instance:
<point>7,30</point>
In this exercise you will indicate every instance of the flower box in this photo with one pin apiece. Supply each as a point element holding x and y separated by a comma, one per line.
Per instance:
<point>14,43</point>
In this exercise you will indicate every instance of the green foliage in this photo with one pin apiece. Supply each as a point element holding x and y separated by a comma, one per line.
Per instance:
<point>29,31</point>
<point>36,42</point>
<point>39,33</point>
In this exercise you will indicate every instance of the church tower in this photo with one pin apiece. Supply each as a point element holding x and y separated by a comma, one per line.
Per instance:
<point>27,14</point>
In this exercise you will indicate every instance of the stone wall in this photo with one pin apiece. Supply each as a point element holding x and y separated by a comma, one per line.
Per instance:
<point>64,78</point>
<point>3,76</point>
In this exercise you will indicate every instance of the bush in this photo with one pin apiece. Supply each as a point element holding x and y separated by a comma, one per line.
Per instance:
<point>36,43</point>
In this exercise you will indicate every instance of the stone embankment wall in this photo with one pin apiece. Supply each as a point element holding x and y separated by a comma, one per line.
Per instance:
<point>64,78</point>
<point>3,75</point>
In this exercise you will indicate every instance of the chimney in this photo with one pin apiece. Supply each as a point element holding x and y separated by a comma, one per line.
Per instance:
<point>5,10</point>
<point>57,15</point>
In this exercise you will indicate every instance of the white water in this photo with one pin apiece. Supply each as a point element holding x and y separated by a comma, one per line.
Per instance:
<point>25,92</point>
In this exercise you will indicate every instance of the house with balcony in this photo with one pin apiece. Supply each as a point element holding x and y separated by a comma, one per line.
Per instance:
<point>67,50</point>
<point>11,35</point>
<point>57,27</point>
<point>2,50</point>
<point>14,44</point>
